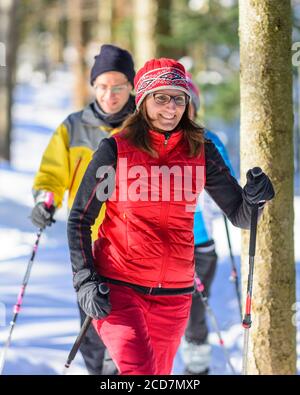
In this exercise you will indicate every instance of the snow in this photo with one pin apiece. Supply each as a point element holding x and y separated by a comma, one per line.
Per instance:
<point>48,323</point>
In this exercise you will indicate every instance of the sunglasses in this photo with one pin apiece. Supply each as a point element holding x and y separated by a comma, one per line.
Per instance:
<point>116,89</point>
<point>162,98</point>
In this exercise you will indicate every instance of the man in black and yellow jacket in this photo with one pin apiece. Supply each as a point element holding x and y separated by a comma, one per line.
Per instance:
<point>70,150</point>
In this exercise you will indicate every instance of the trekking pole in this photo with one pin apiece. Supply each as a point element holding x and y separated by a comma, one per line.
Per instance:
<point>256,171</point>
<point>78,341</point>
<point>234,274</point>
<point>200,288</point>
<point>17,307</point>
<point>104,290</point>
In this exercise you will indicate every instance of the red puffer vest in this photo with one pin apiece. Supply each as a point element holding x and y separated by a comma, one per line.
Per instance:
<point>146,237</point>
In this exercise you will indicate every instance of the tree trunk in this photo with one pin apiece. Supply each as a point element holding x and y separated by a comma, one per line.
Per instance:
<point>53,27</point>
<point>75,34</point>
<point>8,49</point>
<point>145,13</point>
<point>105,12</point>
<point>267,141</point>
<point>164,29</point>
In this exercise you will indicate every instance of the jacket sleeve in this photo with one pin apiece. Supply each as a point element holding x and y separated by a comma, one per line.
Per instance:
<point>221,148</point>
<point>100,175</point>
<point>225,190</point>
<point>54,172</point>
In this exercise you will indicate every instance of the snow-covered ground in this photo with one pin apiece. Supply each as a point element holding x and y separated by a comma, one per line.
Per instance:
<point>48,323</point>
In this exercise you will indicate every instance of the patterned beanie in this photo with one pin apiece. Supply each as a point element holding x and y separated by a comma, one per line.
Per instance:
<point>194,91</point>
<point>159,74</point>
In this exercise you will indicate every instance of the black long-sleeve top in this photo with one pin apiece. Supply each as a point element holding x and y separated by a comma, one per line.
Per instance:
<point>220,185</point>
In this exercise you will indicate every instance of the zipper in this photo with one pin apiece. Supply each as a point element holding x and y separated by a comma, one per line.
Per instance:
<point>163,222</point>
<point>74,175</point>
<point>167,136</point>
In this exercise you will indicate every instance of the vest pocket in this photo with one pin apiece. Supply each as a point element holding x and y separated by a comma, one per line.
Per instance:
<point>143,241</point>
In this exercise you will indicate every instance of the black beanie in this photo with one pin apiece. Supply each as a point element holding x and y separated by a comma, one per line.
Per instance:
<point>112,58</point>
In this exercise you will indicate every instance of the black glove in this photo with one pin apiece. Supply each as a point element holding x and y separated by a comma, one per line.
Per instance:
<point>42,216</point>
<point>93,298</point>
<point>259,187</point>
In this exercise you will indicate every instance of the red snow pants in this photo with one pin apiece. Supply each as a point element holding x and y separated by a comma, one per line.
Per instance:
<point>143,332</point>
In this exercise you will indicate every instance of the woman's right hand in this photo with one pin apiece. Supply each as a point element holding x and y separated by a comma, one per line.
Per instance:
<point>93,298</point>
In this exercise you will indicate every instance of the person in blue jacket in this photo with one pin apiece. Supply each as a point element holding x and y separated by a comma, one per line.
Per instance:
<point>196,351</point>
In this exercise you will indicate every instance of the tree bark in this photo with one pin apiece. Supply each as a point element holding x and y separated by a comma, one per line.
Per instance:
<point>164,28</point>
<point>9,43</point>
<point>145,14</point>
<point>53,27</point>
<point>267,141</point>
<point>105,17</point>
<point>75,38</point>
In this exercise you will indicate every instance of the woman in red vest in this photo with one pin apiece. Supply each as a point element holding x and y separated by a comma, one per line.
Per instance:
<point>150,176</point>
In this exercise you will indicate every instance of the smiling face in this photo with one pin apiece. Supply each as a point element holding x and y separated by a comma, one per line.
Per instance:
<point>165,116</point>
<point>112,91</point>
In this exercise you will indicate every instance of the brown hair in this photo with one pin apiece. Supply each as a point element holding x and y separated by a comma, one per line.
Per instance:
<point>137,126</point>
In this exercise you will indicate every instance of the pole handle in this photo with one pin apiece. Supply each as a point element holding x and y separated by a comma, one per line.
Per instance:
<point>256,172</point>
<point>49,199</point>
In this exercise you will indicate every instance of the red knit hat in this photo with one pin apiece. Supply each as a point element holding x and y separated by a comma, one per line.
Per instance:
<point>194,90</point>
<point>159,74</point>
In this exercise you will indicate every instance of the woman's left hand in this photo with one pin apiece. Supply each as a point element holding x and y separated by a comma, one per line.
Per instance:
<point>258,188</point>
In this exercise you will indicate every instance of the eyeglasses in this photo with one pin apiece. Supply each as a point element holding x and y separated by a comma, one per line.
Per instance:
<point>116,89</point>
<point>161,98</point>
